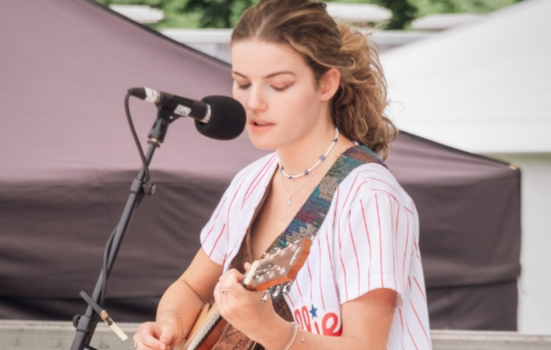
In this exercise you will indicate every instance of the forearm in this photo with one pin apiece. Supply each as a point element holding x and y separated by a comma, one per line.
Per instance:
<point>275,334</point>
<point>366,323</point>
<point>180,305</point>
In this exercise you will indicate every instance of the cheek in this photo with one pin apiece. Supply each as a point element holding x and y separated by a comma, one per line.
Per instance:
<point>301,103</point>
<point>240,96</point>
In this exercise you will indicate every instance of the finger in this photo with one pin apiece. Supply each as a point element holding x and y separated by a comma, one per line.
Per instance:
<point>247,266</point>
<point>217,295</point>
<point>167,334</point>
<point>228,279</point>
<point>149,337</point>
<point>232,277</point>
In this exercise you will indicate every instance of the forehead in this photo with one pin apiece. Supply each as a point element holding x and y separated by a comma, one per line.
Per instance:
<point>255,58</point>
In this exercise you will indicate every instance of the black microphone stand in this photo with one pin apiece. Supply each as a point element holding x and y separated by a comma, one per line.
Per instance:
<point>86,324</point>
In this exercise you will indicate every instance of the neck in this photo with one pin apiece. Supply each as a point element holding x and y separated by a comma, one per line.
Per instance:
<point>304,153</point>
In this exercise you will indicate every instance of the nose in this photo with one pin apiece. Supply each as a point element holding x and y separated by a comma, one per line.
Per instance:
<point>257,101</point>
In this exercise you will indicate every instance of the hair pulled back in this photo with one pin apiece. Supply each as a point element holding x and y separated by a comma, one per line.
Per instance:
<point>358,106</point>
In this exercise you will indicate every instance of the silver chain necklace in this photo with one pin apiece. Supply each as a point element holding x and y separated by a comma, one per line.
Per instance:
<point>306,172</point>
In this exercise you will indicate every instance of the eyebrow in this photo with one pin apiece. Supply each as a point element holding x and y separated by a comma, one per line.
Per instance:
<point>268,76</point>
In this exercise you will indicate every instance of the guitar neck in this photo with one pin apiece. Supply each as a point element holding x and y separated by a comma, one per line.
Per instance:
<point>198,338</point>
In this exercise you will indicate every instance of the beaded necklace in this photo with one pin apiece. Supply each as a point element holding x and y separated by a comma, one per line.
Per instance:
<point>321,159</point>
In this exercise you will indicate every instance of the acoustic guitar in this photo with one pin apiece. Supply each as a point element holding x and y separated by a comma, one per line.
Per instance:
<point>273,274</point>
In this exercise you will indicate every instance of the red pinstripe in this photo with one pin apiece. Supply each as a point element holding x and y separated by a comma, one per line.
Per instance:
<point>291,301</point>
<point>402,326</point>
<point>355,253</point>
<point>342,263</point>
<point>215,243</point>
<point>380,180</point>
<point>214,221</point>
<point>380,240</point>
<point>340,243</point>
<point>359,187</point>
<point>374,171</point>
<point>310,275</point>
<point>420,289</point>
<point>412,340</point>
<point>235,246</point>
<point>299,292</point>
<point>336,206</point>
<point>228,219</point>
<point>405,252</point>
<point>331,262</point>
<point>231,203</point>
<point>348,196</point>
<point>369,245</point>
<point>417,251</point>
<point>258,177</point>
<point>420,323</point>
<point>394,234</point>
<point>386,192</point>
<point>321,289</point>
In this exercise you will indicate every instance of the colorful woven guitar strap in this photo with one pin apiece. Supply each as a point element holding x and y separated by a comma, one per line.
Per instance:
<point>310,217</point>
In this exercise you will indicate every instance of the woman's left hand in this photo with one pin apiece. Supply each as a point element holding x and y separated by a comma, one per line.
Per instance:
<point>242,308</point>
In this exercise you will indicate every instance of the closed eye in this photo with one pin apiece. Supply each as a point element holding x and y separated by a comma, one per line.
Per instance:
<point>282,88</point>
<point>243,86</point>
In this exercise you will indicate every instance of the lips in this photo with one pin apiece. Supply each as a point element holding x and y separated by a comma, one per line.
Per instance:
<point>260,125</point>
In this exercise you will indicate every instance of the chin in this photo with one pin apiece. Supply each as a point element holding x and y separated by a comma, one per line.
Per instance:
<point>263,142</point>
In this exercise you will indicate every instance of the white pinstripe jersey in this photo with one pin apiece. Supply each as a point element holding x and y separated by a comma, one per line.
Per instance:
<point>368,240</point>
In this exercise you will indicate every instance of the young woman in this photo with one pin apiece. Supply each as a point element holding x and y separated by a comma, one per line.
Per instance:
<point>312,90</point>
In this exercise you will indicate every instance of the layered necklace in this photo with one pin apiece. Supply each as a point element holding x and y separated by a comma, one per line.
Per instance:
<point>307,171</point>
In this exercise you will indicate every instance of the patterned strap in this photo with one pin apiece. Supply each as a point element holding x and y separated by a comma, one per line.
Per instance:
<point>312,214</point>
<point>310,217</point>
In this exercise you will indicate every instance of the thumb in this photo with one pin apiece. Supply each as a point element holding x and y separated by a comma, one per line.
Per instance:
<point>247,266</point>
<point>167,334</point>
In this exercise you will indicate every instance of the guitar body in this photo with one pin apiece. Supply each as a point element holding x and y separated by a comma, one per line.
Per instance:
<point>214,335</point>
<point>207,329</point>
<point>276,270</point>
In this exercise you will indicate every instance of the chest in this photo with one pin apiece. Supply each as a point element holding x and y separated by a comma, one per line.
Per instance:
<point>275,213</point>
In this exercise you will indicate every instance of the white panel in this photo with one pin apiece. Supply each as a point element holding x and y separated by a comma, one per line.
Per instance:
<point>535,282</point>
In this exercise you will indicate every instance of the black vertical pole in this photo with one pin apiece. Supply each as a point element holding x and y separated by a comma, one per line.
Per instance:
<point>86,324</point>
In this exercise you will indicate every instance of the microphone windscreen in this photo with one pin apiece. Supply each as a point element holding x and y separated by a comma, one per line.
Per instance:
<point>227,118</point>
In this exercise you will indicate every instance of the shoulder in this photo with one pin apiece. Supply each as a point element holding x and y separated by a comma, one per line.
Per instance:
<point>374,180</point>
<point>253,171</point>
<point>251,182</point>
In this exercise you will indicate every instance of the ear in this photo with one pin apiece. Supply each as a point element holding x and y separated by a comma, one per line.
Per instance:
<point>329,84</point>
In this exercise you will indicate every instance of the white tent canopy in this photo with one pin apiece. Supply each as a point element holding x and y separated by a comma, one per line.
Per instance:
<point>483,88</point>
<point>486,88</point>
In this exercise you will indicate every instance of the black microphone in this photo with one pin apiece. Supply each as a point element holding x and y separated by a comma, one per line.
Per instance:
<point>217,117</point>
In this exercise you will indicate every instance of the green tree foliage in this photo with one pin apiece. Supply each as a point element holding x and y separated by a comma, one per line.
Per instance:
<point>176,13</point>
<point>226,13</point>
<point>403,12</point>
<point>427,7</point>
<point>219,13</point>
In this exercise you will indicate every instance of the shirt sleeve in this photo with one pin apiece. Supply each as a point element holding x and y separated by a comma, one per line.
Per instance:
<point>374,246</point>
<point>215,235</point>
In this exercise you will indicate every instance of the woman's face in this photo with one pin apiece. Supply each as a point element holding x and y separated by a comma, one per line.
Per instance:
<point>279,93</point>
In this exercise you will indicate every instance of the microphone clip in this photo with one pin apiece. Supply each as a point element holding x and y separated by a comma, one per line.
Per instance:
<point>160,127</point>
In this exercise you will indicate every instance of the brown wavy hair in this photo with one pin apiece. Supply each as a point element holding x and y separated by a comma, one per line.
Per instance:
<point>357,108</point>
